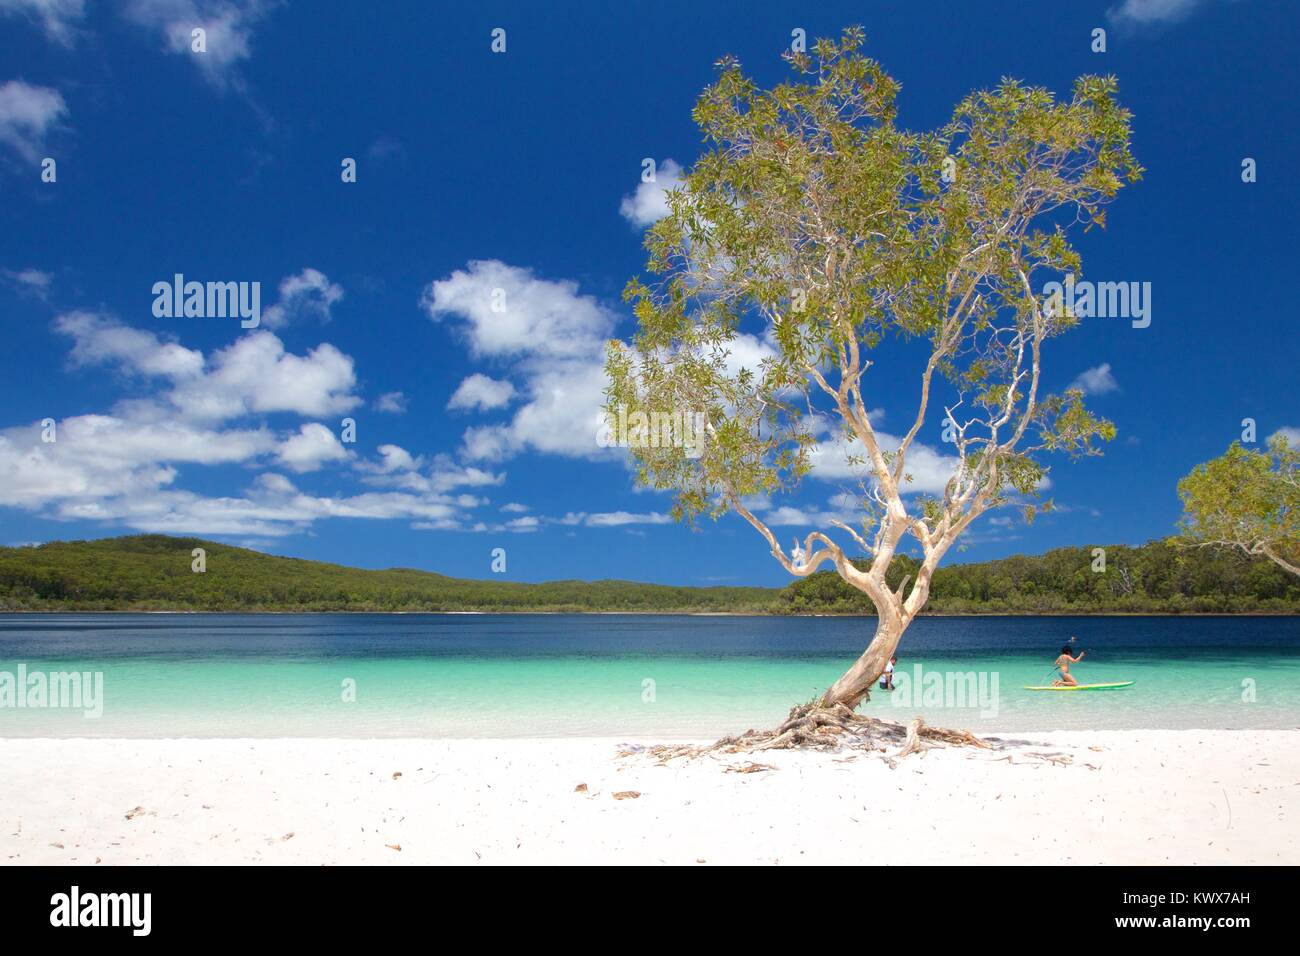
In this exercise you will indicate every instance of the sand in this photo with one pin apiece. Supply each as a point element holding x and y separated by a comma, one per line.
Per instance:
<point>1144,797</point>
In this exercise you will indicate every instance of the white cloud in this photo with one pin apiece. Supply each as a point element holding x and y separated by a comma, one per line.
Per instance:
<point>100,339</point>
<point>123,468</point>
<point>1096,381</point>
<point>507,312</point>
<point>312,447</point>
<point>257,375</point>
<point>96,457</point>
<point>1140,12</point>
<point>481,392</point>
<point>108,469</point>
<point>927,468</point>
<point>610,519</point>
<point>649,203</point>
<point>554,336</point>
<point>392,402</point>
<point>56,17</point>
<point>561,417</point>
<point>514,508</point>
<point>615,519</point>
<point>1290,432</point>
<point>309,293</point>
<point>272,507</point>
<point>228,25</point>
<point>397,468</point>
<point>32,281</point>
<point>840,507</point>
<point>253,375</point>
<point>396,458</point>
<point>27,114</point>
<point>746,351</point>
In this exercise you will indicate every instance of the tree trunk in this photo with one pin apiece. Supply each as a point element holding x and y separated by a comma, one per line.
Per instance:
<point>854,684</point>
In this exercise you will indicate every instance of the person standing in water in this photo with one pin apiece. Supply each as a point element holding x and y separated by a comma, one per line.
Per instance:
<point>1063,663</point>
<point>887,678</point>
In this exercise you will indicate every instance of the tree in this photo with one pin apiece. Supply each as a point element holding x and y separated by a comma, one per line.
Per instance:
<point>815,218</point>
<point>1247,499</point>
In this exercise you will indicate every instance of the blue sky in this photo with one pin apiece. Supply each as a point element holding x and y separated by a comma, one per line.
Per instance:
<point>521,171</point>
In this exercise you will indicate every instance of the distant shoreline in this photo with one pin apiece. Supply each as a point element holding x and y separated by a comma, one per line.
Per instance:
<point>153,574</point>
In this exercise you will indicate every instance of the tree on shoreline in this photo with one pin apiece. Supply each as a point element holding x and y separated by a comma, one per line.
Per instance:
<point>835,235</point>
<point>1249,500</point>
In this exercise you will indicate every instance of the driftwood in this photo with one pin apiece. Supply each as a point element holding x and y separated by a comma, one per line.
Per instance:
<point>828,728</point>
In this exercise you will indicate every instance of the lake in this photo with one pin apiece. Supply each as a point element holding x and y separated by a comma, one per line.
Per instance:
<point>633,676</point>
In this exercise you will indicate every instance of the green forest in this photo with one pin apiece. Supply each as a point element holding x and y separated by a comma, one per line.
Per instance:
<point>1156,578</point>
<point>153,572</point>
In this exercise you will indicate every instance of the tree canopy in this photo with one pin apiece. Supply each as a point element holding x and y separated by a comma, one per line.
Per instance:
<point>1247,499</point>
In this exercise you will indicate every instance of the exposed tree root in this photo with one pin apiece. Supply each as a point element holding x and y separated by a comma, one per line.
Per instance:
<point>828,728</point>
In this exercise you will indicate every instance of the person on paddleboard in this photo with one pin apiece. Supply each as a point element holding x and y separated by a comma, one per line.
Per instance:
<point>1063,665</point>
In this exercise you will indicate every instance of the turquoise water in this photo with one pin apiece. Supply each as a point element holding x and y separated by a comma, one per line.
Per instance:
<point>631,675</point>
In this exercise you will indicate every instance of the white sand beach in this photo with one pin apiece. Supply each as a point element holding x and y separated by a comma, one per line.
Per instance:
<point>1141,797</point>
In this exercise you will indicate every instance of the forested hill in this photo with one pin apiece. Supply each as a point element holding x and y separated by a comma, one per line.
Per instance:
<point>153,572</point>
<point>1157,577</point>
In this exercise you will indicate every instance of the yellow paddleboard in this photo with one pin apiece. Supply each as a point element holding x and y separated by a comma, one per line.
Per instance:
<point>1113,686</point>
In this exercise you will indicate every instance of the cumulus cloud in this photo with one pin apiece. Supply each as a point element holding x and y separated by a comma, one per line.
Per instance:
<point>256,375</point>
<point>272,507</point>
<point>115,469</point>
<point>482,393</point>
<point>123,467</point>
<point>649,203</point>
<point>507,312</point>
<point>395,458</point>
<point>398,468</point>
<point>553,336</point>
<point>228,25</point>
<point>1290,432</point>
<point>746,351</point>
<point>554,339</point>
<point>58,18</point>
<point>253,375</point>
<point>97,457</point>
<point>27,114</point>
<point>100,339</point>
<point>789,516</point>
<point>309,293</point>
<point>392,402</point>
<point>562,416</point>
<point>312,447</point>
<point>1096,381</point>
